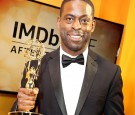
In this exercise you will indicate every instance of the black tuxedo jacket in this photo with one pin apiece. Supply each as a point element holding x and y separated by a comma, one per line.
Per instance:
<point>101,91</point>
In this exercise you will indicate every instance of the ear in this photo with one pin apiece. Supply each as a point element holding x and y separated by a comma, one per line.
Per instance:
<point>58,22</point>
<point>93,25</point>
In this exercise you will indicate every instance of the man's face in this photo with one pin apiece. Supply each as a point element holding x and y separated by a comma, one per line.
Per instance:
<point>75,24</point>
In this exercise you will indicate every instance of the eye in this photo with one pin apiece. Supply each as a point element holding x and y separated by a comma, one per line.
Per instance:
<point>69,20</point>
<point>84,21</point>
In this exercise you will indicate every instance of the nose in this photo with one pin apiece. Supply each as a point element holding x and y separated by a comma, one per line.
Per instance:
<point>76,25</point>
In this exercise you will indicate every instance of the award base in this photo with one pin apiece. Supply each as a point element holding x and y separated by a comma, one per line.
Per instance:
<point>23,113</point>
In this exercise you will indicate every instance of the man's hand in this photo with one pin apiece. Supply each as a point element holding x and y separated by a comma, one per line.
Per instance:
<point>26,98</point>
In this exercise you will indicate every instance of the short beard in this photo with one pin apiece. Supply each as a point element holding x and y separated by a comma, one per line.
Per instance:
<point>75,48</point>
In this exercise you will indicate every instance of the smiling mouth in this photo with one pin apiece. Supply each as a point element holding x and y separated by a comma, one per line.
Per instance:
<point>75,38</point>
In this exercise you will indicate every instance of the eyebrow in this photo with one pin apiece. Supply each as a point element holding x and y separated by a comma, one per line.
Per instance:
<point>85,15</point>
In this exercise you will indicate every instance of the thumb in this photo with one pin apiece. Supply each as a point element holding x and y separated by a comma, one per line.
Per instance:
<point>35,90</point>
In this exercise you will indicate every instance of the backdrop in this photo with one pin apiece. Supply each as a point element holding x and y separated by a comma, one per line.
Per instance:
<point>23,20</point>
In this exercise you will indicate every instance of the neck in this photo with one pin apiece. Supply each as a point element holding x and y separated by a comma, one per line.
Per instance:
<point>73,53</point>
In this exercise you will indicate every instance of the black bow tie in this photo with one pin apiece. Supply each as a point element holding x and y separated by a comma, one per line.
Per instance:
<point>66,60</point>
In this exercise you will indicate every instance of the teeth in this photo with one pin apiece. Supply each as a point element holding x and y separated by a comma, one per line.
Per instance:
<point>75,36</point>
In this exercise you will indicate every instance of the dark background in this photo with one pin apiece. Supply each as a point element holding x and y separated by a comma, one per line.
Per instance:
<point>106,38</point>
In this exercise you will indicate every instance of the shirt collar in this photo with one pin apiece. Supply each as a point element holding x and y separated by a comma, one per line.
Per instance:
<point>85,53</point>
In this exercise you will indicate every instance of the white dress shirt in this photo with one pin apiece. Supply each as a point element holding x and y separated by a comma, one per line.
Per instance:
<point>72,78</point>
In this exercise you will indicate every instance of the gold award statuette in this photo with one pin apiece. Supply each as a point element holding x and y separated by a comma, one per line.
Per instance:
<point>35,51</point>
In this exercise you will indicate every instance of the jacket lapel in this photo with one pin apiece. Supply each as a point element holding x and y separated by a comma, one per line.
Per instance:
<point>54,70</point>
<point>91,69</point>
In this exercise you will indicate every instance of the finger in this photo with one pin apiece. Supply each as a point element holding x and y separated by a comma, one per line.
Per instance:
<point>35,90</point>
<point>26,102</point>
<point>22,96</point>
<point>25,91</point>
<point>25,105</point>
<point>24,108</point>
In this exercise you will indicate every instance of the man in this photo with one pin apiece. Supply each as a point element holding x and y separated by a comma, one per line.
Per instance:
<point>92,87</point>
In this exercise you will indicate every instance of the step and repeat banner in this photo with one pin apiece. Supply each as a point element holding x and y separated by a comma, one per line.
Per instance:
<point>21,20</point>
